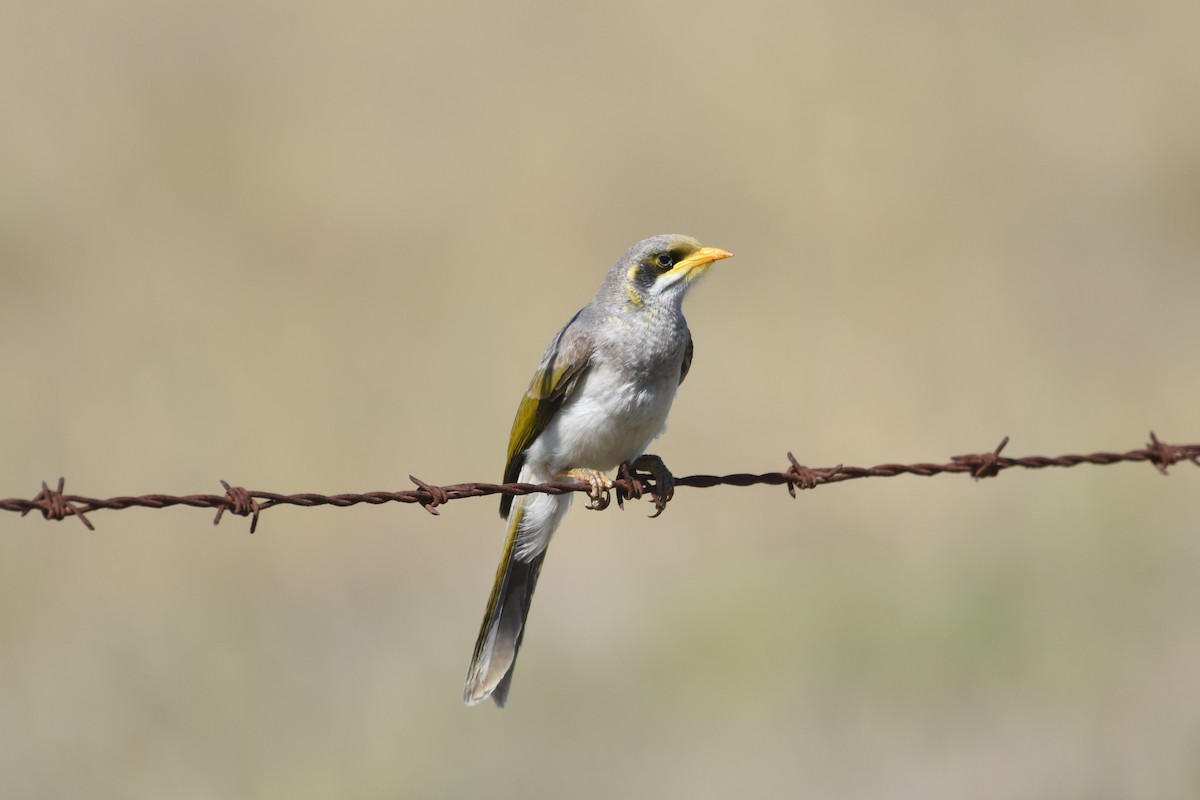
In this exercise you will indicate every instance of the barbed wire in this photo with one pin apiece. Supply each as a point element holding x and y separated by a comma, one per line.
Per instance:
<point>630,484</point>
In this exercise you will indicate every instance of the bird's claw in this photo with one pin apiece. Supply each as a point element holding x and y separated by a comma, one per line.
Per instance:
<point>600,493</point>
<point>664,481</point>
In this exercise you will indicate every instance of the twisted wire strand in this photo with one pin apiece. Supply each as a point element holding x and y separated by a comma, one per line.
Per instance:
<point>631,484</point>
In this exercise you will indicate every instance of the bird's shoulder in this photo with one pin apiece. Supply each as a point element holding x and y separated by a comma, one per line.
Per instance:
<point>688,351</point>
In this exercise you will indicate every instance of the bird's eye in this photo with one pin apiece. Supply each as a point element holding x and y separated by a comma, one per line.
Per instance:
<point>665,261</point>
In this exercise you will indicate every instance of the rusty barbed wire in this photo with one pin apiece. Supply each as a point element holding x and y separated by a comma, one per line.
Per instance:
<point>631,484</point>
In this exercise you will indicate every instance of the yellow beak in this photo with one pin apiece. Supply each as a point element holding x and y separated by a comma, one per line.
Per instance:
<point>698,261</point>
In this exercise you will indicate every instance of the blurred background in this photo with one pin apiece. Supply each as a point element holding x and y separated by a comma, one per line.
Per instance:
<point>307,247</point>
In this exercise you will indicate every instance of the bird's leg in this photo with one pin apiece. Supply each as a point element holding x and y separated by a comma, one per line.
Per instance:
<point>601,492</point>
<point>664,481</point>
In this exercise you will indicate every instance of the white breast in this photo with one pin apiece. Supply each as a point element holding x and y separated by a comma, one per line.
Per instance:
<point>607,420</point>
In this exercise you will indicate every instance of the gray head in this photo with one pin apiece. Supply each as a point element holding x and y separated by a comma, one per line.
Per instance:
<point>657,272</point>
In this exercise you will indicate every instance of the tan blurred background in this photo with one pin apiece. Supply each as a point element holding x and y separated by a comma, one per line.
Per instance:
<point>307,247</point>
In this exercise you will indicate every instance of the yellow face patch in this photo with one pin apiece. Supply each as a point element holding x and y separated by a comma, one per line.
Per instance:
<point>634,297</point>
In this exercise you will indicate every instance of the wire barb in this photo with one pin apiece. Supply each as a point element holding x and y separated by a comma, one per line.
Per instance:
<point>1163,455</point>
<point>800,475</point>
<point>54,505</point>
<point>240,502</point>
<point>436,496</point>
<point>632,483</point>
<point>984,465</point>
<point>627,485</point>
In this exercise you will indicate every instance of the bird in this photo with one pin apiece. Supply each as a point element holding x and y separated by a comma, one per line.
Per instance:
<point>598,398</point>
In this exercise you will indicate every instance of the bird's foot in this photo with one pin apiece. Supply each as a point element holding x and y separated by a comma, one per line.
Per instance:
<point>600,493</point>
<point>664,481</point>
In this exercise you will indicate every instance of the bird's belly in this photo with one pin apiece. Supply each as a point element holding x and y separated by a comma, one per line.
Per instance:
<point>606,421</point>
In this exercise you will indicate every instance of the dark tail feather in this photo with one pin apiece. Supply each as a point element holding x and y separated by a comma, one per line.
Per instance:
<point>490,673</point>
<point>518,595</point>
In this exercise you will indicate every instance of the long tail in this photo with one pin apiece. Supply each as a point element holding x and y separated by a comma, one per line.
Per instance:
<point>490,673</point>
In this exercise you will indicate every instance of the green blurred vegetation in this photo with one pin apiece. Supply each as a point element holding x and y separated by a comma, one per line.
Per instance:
<point>306,247</point>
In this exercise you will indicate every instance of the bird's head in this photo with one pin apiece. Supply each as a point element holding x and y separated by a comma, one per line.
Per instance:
<point>658,271</point>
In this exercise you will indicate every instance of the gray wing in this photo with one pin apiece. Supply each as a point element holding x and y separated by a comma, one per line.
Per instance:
<point>565,361</point>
